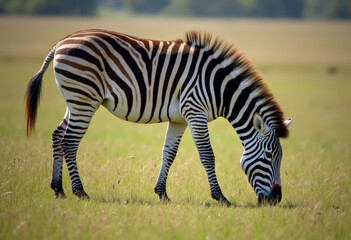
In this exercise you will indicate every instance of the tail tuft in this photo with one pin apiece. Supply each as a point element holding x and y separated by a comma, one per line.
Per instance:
<point>32,99</point>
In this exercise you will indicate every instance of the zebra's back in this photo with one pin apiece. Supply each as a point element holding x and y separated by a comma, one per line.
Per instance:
<point>138,80</point>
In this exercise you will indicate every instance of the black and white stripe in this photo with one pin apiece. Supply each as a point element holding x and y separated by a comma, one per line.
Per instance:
<point>187,83</point>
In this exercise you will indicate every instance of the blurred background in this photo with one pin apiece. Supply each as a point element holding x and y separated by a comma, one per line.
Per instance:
<point>301,47</point>
<point>315,9</point>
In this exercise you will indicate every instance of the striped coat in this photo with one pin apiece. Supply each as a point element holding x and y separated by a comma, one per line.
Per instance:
<point>185,82</point>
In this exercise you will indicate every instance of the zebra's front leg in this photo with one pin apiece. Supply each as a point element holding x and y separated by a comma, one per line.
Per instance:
<point>57,153</point>
<point>199,130</point>
<point>173,136</point>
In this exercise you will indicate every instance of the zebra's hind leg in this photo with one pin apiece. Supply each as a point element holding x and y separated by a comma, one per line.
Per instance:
<point>173,136</point>
<point>199,131</point>
<point>57,153</point>
<point>78,123</point>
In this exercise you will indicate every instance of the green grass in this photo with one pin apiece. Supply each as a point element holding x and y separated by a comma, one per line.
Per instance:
<point>119,161</point>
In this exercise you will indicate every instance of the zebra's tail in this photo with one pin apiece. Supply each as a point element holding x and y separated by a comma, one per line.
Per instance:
<point>33,92</point>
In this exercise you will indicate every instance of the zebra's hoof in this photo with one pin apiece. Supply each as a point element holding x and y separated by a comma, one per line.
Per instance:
<point>164,198</point>
<point>59,193</point>
<point>81,195</point>
<point>225,202</point>
<point>222,200</point>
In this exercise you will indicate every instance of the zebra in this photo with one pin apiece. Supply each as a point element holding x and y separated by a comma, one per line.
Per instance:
<point>187,82</point>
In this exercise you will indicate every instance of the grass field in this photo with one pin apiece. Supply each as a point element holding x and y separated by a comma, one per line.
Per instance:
<point>306,64</point>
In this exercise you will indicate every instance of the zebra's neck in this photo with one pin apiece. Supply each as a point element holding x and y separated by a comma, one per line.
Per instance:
<point>240,93</point>
<point>240,102</point>
<point>244,95</point>
<point>237,89</point>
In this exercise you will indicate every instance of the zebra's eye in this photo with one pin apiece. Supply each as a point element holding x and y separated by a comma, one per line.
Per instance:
<point>269,155</point>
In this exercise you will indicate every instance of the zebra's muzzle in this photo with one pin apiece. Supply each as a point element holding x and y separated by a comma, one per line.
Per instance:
<point>274,197</point>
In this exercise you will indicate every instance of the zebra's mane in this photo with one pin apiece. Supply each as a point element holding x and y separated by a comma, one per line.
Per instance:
<point>234,60</point>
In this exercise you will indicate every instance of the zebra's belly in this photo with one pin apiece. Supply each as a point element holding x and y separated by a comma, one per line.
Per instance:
<point>149,115</point>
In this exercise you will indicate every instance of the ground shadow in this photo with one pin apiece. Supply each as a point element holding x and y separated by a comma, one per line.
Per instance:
<point>125,201</point>
<point>207,204</point>
<point>285,205</point>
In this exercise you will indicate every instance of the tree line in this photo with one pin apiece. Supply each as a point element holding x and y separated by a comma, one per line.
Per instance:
<point>49,7</point>
<point>326,9</point>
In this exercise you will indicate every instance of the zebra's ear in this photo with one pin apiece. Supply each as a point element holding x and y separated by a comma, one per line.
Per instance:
<point>288,122</point>
<point>258,124</point>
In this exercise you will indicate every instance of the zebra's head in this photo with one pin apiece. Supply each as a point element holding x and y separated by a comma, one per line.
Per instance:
<point>261,161</point>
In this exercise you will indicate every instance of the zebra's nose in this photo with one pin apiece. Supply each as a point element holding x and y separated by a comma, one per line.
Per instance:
<point>275,196</point>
